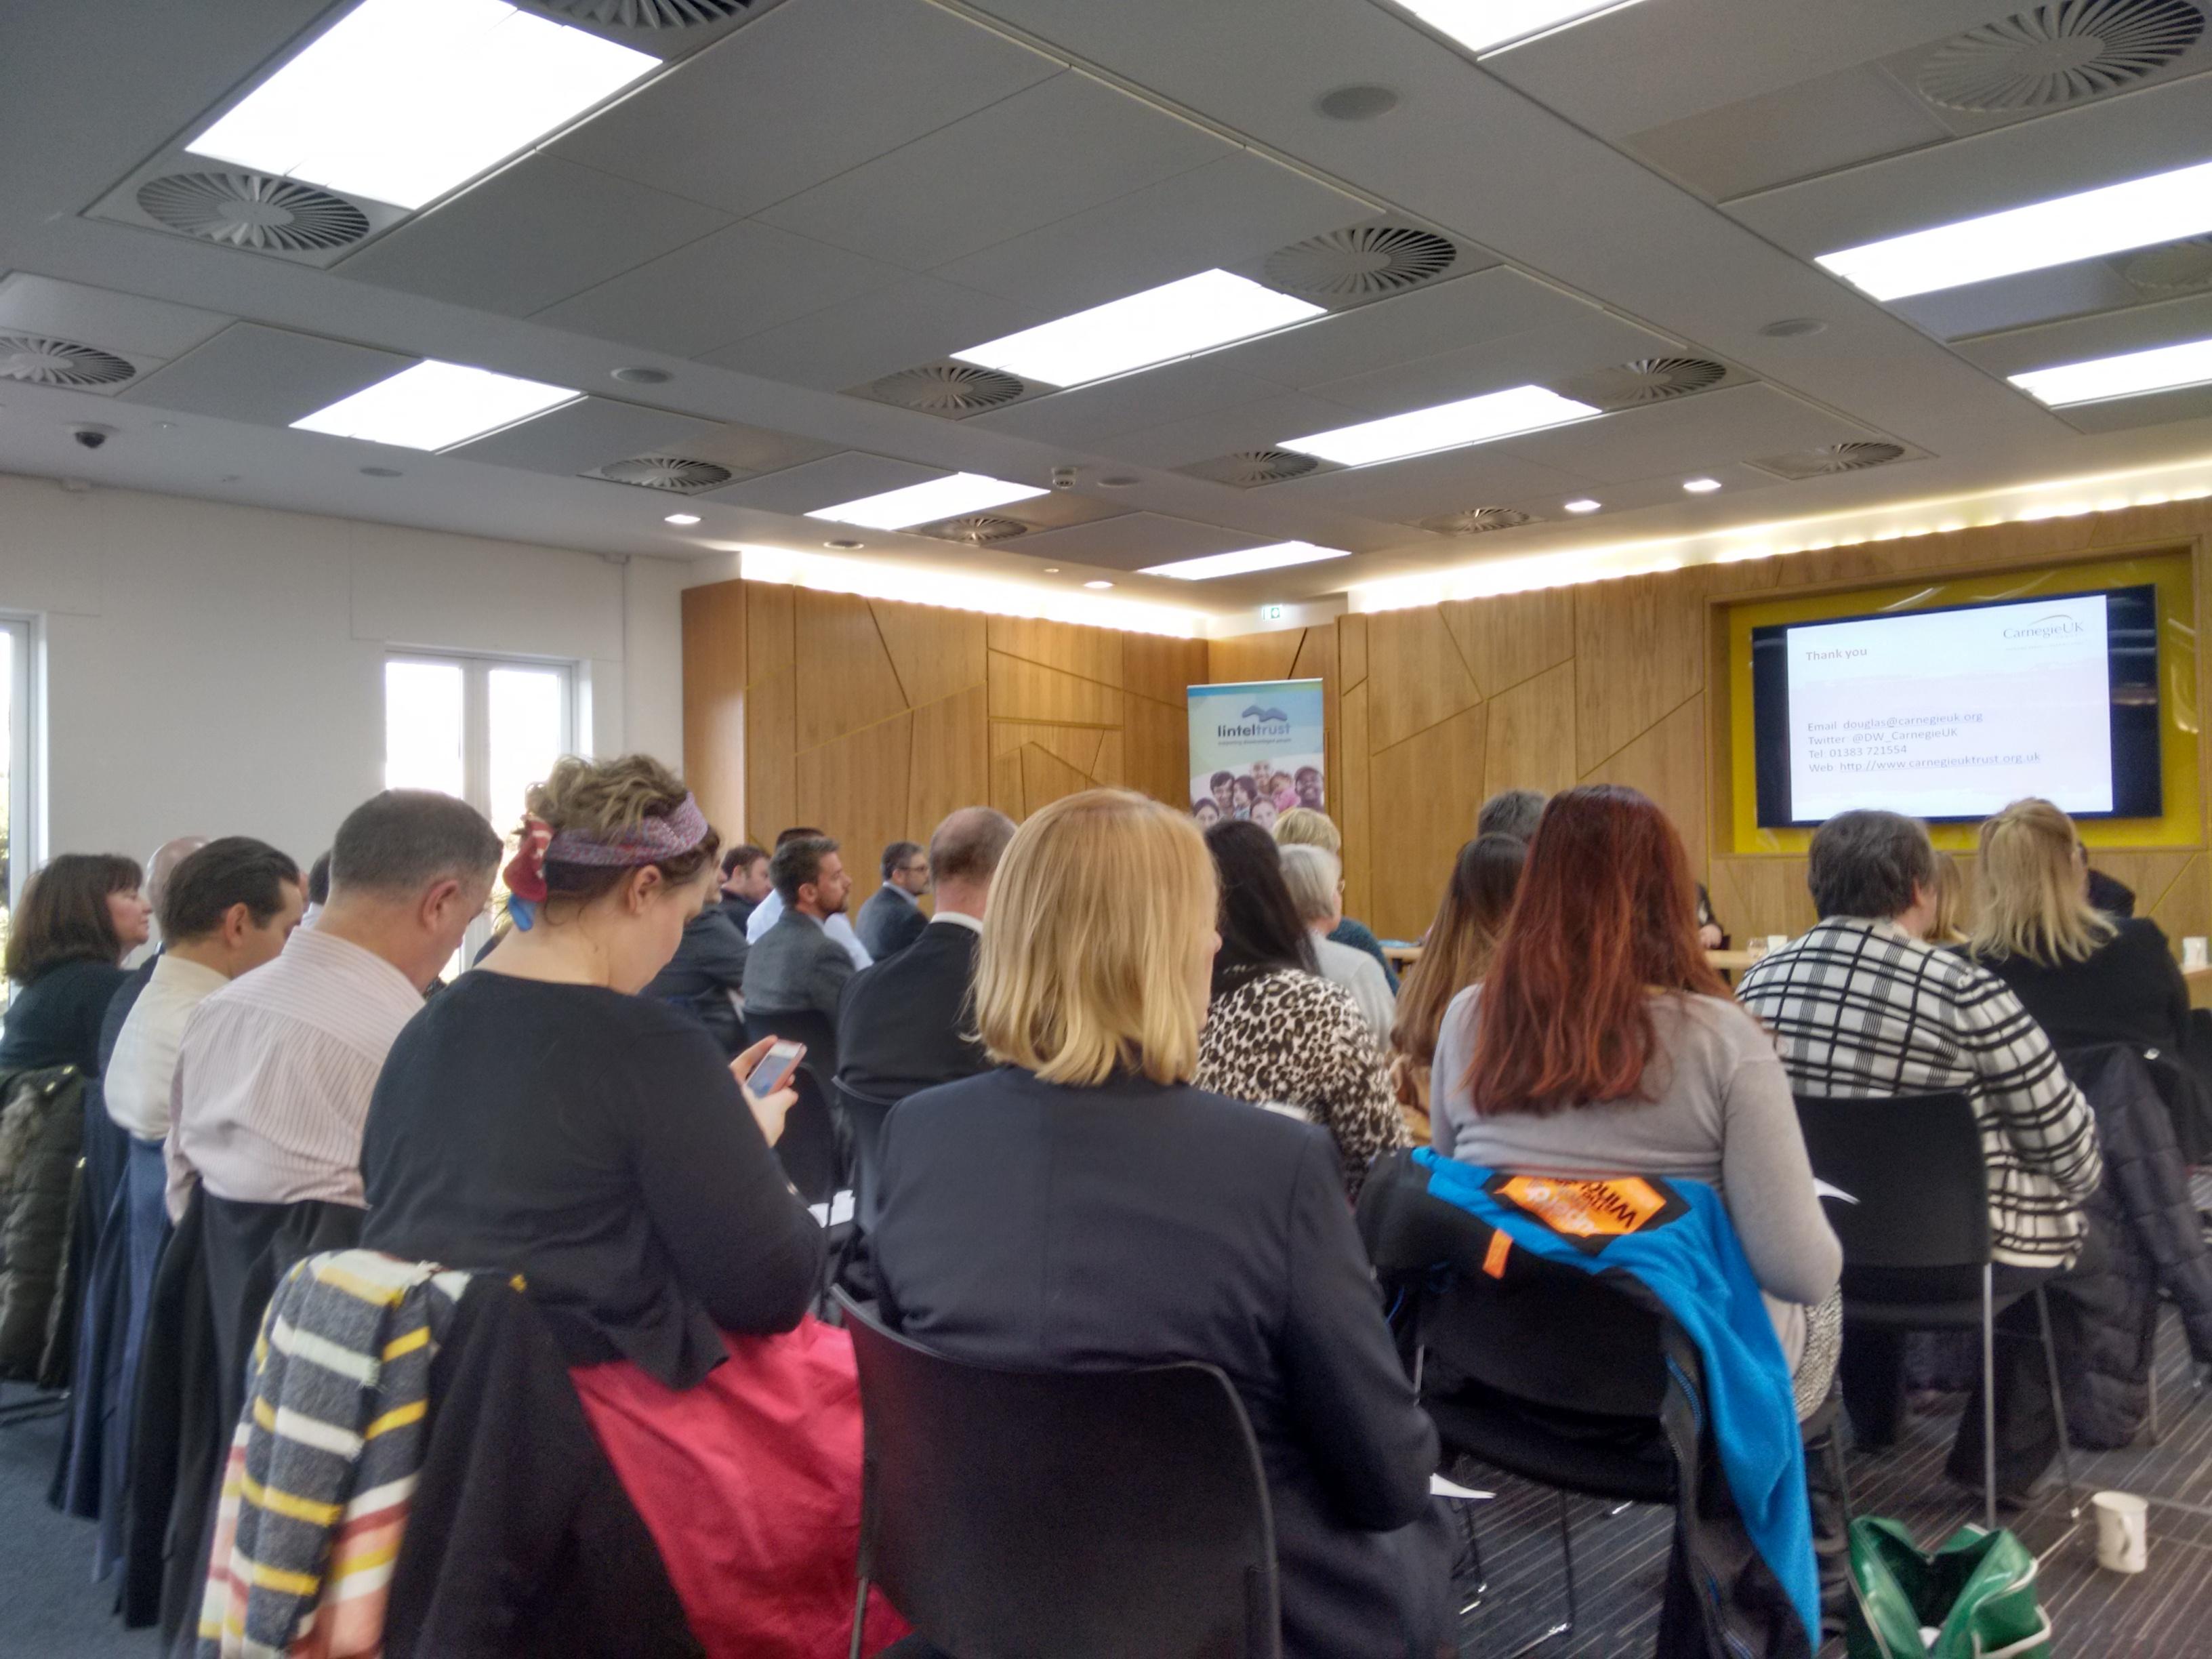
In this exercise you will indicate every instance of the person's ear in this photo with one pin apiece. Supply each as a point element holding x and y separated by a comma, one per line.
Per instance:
<point>645,886</point>
<point>237,923</point>
<point>437,903</point>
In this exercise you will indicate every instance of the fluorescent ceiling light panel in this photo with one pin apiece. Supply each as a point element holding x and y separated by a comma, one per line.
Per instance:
<point>1446,426</point>
<point>2163,368</point>
<point>436,405</point>
<point>926,503</point>
<point>1177,319</point>
<point>2163,208</point>
<point>1480,24</point>
<point>1241,564</point>
<point>404,100</point>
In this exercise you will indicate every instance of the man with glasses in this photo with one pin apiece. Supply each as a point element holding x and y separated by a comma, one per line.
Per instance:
<point>891,920</point>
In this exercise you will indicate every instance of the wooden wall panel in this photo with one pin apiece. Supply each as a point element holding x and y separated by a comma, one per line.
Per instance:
<point>1254,656</point>
<point>771,745</point>
<point>1155,749</point>
<point>934,651</point>
<point>715,703</point>
<point>1161,667</point>
<point>1666,762</point>
<point>856,788</point>
<point>862,689</point>
<point>1531,738</point>
<point>1353,818</point>
<point>1426,789</point>
<point>1640,650</point>
<point>1351,650</point>
<point>951,763</point>
<point>1514,637</point>
<point>1416,678</point>
<point>1021,690</point>
<point>1091,653</point>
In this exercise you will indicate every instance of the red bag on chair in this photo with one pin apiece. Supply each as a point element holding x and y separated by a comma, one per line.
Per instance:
<point>750,1485</point>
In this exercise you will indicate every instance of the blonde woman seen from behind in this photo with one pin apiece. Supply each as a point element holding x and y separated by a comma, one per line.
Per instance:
<point>1085,1208</point>
<point>1308,826</point>
<point>1947,927</point>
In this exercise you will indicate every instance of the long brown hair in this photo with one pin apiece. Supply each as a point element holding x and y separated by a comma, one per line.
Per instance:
<point>64,915</point>
<point>1607,914</point>
<point>1461,942</point>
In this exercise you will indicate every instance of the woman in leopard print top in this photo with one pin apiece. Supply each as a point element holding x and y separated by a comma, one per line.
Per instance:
<point>1279,1035</point>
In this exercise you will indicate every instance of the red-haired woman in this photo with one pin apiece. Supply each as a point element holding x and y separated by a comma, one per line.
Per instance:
<point>1602,1044</point>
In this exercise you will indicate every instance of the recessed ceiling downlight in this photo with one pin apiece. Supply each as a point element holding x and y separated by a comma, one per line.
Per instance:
<point>253,210</point>
<point>1363,263</point>
<point>947,388</point>
<point>43,360</point>
<point>670,472</point>
<point>648,14</point>
<point>2058,53</point>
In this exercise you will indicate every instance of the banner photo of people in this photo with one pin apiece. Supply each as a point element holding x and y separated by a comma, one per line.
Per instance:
<point>1256,750</point>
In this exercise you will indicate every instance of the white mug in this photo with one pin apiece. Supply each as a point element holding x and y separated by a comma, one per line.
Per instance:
<point>1776,941</point>
<point>2196,951</point>
<point>2122,1533</point>
<point>1755,947</point>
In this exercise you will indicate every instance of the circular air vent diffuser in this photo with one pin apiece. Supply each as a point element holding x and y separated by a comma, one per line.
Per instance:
<point>947,388</point>
<point>253,210</point>
<point>2173,269</point>
<point>1477,519</point>
<point>1360,263</point>
<point>1852,457</point>
<point>977,529</point>
<point>43,361</point>
<point>647,14</point>
<point>2058,53</point>
<point>1248,467</point>
<point>666,472</point>
<point>1646,381</point>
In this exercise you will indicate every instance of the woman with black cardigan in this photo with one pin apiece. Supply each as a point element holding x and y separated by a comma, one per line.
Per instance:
<point>79,917</point>
<point>1084,1207</point>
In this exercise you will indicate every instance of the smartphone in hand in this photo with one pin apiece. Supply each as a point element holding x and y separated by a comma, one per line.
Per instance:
<point>774,1068</point>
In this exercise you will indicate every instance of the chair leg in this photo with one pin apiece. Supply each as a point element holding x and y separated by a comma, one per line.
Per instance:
<point>859,1616</point>
<point>2058,1405</point>
<point>2157,1317</point>
<point>1567,1553</point>
<point>1989,1399</point>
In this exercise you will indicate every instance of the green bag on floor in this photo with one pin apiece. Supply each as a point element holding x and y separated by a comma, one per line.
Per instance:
<point>1972,1599</point>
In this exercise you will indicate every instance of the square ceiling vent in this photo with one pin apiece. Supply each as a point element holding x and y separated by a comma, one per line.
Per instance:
<point>205,201</point>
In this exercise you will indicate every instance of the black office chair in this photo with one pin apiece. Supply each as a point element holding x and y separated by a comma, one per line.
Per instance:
<point>864,1116</point>
<point>811,1149</point>
<point>1086,1515</point>
<point>1916,1234</point>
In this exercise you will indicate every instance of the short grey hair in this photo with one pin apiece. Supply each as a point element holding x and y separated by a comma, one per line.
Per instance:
<point>1513,813</point>
<point>969,844</point>
<point>1311,873</point>
<point>1868,863</point>
<point>399,843</point>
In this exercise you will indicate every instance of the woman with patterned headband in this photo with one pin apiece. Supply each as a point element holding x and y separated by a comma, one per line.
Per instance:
<point>542,1118</point>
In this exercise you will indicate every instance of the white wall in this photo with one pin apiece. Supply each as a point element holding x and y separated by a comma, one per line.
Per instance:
<point>217,670</point>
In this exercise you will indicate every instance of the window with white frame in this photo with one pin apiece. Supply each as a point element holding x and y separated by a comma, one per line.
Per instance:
<point>18,772</point>
<point>482,728</point>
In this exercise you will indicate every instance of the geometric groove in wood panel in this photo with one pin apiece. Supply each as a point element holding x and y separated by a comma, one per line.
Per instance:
<point>951,766</point>
<point>1091,653</point>
<point>768,608</point>
<point>1637,737</point>
<point>1513,636</point>
<point>770,708</point>
<point>1251,657</point>
<point>1667,764</point>
<point>1531,735</point>
<point>1347,797</point>
<point>1156,750</point>
<point>1428,790</point>
<point>1046,778</point>
<point>1416,678</point>
<point>849,680</point>
<point>1351,649</point>
<point>1021,690</point>
<point>1078,746</point>
<point>856,788</point>
<point>934,651</point>
<point>1640,646</point>
<point>1161,667</point>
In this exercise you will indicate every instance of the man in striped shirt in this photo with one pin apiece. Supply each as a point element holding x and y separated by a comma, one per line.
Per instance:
<point>1860,1006</point>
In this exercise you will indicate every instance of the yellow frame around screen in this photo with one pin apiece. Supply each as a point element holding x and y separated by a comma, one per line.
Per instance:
<point>2182,824</point>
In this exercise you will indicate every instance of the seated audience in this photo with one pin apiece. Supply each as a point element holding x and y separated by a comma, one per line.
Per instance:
<point>2083,976</point>
<point>1711,936</point>
<point>705,975</point>
<point>318,887</point>
<point>769,910</point>
<point>78,918</point>
<point>794,964</point>
<point>1946,927</point>
<point>1278,1034</point>
<point>1602,1042</point>
<point>744,883</point>
<point>891,920</point>
<point>1308,826</point>
<point>1861,1007</point>
<point>1461,941</point>
<point>540,1119</point>
<point>1315,881</point>
<point>2114,896</point>
<point>1085,1206</point>
<point>1514,812</point>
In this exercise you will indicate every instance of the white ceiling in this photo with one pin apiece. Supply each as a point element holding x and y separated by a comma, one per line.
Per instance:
<point>831,191</point>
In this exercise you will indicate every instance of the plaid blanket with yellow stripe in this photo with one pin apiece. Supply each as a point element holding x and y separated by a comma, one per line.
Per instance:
<point>324,1463</point>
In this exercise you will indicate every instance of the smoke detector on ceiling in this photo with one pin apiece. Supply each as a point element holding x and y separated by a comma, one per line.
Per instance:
<point>43,360</point>
<point>2177,268</point>
<point>946,388</point>
<point>253,210</point>
<point>1365,262</point>
<point>648,14</point>
<point>1478,521</point>
<point>1854,456</point>
<point>1248,468</point>
<point>2058,53</point>
<point>1646,381</point>
<point>975,530</point>
<point>671,473</point>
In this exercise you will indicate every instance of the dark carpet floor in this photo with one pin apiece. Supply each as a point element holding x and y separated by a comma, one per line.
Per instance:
<point>50,1609</point>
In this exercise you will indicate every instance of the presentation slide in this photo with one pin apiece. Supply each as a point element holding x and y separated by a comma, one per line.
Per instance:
<point>1952,714</point>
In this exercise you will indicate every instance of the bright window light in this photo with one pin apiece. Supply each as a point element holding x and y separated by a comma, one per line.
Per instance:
<point>926,503</point>
<point>434,406</point>
<point>1175,319</point>
<point>1447,426</point>
<point>1273,557</point>
<point>1480,24</point>
<point>2160,369</point>
<point>404,100</point>
<point>2163,208</point>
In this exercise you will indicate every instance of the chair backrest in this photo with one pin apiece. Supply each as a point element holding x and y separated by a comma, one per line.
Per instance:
<point>1913,1167</point>
<point>811,1150</point>
<point>1087,1515</point>
<point>864,1115</point>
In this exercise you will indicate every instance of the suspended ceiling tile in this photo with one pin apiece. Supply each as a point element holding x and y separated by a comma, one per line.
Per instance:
<point>588,433</point>
<point>1480,474</point>
<point>124,323</point>
<point>1087,413</point>
<point>846,477</point>
<point>753,449</point>
<point>916,319</point>
<point>541,231</point>
<point>267,376</point>
<point>808,92</point>
<point>1228,212</point>
<point>1048,152</point>
<point>2160,409</point>
<point>1688,435</point>
<point>1260,423</point>
<point>736,281</point>
<point>1133,541</point>
<point>2079,339</point>
<point>1544,357</point>
<point>2033,296</point>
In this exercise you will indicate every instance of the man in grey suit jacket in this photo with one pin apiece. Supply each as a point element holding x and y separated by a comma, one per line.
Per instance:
<point>891,920</point>
<point>795,965</point>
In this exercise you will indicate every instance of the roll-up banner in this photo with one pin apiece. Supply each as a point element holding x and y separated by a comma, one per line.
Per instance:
<point>1256,749</point>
